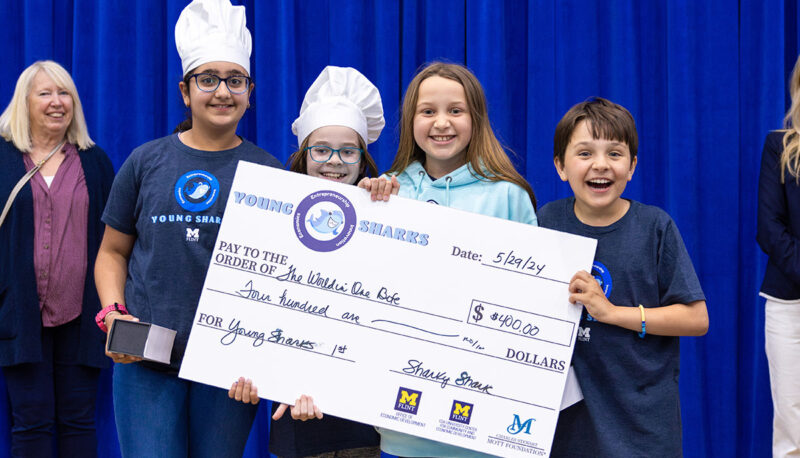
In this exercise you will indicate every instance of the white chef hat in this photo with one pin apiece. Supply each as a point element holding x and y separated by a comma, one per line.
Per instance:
<point>211,31</point>
<point>341,96</point>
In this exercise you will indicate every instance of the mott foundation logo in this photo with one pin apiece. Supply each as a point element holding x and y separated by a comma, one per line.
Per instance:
<point>408,400</point>
<point>461,412</point>
<point>518,426</point>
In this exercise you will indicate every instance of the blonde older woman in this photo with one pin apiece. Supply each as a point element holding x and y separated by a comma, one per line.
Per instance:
<point>51,350</point>
<point>779,237</point>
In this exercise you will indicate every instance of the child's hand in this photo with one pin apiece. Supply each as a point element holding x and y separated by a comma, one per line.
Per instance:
<point>303,409</point>
<point>244,391</point>
<point>119,357</point>
<point>380,188</point>
<point>584,289</point>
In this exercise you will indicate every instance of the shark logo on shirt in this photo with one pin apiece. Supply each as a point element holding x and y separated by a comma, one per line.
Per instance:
<point>197,190</point>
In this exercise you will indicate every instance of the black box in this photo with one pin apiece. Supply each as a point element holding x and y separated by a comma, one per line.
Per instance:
<point>145,340</point>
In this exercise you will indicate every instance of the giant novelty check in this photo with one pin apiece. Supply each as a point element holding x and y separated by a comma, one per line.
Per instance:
<point>404,315</point>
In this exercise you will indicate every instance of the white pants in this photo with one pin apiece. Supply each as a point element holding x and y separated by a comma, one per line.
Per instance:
<point>782,335</point>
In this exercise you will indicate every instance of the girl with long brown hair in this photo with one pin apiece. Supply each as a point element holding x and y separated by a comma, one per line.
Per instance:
<point>449,155</point>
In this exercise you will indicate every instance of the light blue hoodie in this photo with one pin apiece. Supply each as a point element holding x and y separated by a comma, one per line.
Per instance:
<point>463,190</point>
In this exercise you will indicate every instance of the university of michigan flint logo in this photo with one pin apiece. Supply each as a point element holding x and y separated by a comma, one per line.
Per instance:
<point>461,412</point>
<point>192,234</point>
<point>408,400</point>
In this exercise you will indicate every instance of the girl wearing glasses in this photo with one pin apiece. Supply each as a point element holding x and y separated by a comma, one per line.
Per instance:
<point>162,220</point>
<point>341,110</point>
<point>341,113</point>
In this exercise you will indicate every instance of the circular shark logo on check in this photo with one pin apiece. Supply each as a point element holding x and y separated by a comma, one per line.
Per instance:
<point>324,221</point>
<point>197,190</point>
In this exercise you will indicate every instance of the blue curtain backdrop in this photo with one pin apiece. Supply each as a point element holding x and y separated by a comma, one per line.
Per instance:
<point>705,81</point>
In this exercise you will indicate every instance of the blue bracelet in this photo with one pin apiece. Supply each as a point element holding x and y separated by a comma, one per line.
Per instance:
<point>644,325</point>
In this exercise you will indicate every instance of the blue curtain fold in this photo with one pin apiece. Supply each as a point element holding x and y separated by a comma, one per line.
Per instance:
<point>705,82</point>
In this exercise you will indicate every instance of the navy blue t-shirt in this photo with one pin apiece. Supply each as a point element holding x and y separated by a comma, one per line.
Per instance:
<point>631,402</point>
<point>171,197</point>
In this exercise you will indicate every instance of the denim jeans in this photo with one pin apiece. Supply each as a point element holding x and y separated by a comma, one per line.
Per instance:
<point>57,393</point>
<point>161,415</point>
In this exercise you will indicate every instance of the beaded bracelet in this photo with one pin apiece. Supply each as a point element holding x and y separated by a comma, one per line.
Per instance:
<point>644,325</point>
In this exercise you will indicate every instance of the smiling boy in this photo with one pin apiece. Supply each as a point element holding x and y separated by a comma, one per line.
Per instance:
<point>642,293</point>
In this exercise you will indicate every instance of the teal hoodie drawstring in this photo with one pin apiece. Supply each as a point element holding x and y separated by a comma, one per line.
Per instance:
<point>447,190</point>
<point>418,184</point>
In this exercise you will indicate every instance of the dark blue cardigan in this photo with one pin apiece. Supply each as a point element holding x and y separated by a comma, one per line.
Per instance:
<point>779,223</point>
<point>20,318</point>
